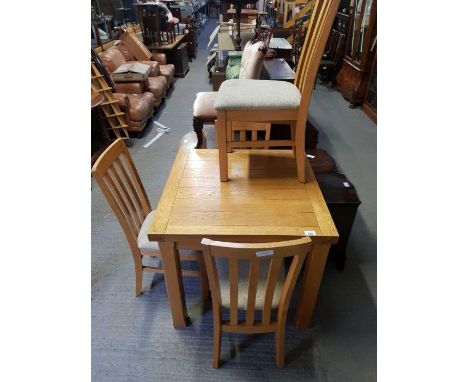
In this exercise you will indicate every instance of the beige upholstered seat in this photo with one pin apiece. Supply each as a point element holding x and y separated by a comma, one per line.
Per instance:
<point>257,94</point>
<point>147,247</point>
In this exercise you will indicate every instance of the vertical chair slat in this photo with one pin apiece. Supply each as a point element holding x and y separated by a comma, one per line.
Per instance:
<point>122,205</point>
<point>126,198</point>
<point>314,28</point>
<point>252,291</point>
<point>132,190</point>
<point>233,290</point>
<point>272,279</point>
<point>323,25</point>
<point>137,182</point>
<point>301,66</point>
<point>103,184</point>
<point>213,279</point>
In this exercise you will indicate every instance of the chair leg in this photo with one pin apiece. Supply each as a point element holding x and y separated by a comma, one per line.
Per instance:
<point>279,345</point>
<point>204,280</point>
<point>216,345</point>
<point>300,157</point>
<point>138,276</point>
<point>293,136</point>
<point>198,128</point>
<point>221,130</point>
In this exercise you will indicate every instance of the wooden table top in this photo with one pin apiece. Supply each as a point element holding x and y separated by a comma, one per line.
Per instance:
<point>246,11</point>
<point>178,39</point>
<point>279,43</point>
<point>279,70</point>
<point>262,199</point>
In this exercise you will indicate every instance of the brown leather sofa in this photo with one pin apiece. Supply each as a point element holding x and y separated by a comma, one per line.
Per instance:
<point>156,83</point>
<point>138,108</point>
<point>165,69</point>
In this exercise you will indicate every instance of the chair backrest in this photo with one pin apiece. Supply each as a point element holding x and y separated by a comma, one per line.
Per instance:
<point>151,23</point>
<point>320,23</point>
<point>257,256</point>
<point>112,59</point>
<point>253,56</point>
<point>334,47</point>
<point>120,183</point>
<point>175,10</point>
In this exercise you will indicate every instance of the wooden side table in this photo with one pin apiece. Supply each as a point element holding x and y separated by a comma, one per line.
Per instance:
<point>278,69</point>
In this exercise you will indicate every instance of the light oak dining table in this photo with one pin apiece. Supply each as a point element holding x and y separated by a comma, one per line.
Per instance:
<point>262,202</point>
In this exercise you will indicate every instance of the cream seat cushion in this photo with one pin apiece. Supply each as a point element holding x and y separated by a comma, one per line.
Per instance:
<point>203,107</point>
<point>242,289</point>
<point>147,248</point>
<point>257,95</point>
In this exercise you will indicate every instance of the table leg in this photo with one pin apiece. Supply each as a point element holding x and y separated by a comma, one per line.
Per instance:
<point>174,284</point>
<point>312,277</point>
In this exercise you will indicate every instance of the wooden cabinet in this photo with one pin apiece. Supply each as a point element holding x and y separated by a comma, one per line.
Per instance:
<point>342,202</point>
<point>179,57</point>
<point>353,78</point>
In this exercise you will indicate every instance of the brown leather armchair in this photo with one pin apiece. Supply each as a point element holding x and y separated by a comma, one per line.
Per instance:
<point>165,69</point>
<point>156,83</point>
<point>138,108</point>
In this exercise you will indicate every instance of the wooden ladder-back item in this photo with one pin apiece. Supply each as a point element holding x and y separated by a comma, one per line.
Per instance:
<point>274,293</point>
<point>110,107</point>
<point>304,11</point>
<point>320,23</point>
<point>118,178</point>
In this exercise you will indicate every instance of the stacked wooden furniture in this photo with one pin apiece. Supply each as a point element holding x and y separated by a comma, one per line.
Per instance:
<point>276,101</point>
<point>262,203</point>
<point>251,67</point>
<point>110,106</point>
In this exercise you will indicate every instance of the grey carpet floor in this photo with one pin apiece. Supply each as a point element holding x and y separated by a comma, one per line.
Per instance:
<point>133,338</point>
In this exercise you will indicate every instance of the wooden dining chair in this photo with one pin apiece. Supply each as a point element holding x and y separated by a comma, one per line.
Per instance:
<point>120,183</point>
<point>276,101</point>
<point>245,278</point>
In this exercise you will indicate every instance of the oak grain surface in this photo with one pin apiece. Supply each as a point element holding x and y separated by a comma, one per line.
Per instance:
<point>262,198</point>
